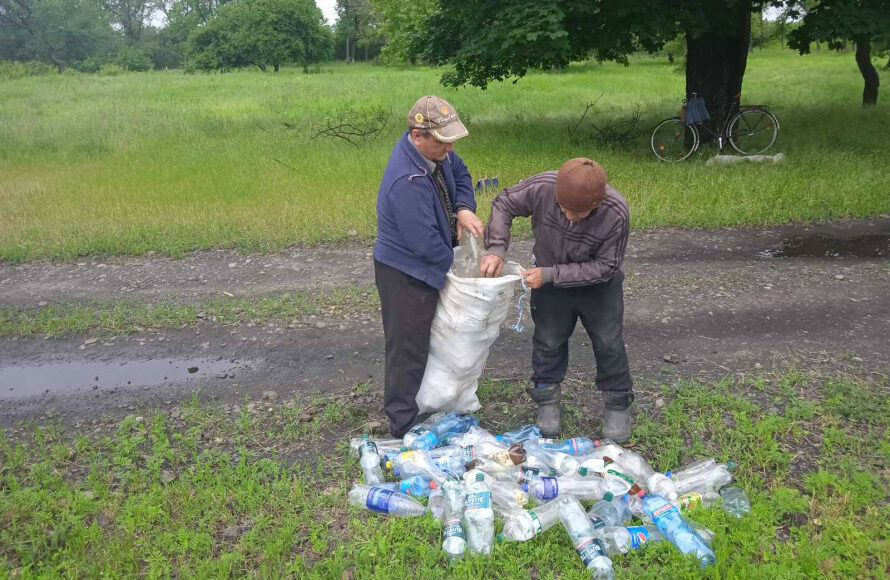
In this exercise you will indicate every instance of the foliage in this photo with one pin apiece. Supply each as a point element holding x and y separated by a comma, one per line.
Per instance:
<point>11,69</point>
<point>133,59</point>
<point>261,33</point>
<point>60,32</point>
<point>401,25</point>
<point>356,27</point>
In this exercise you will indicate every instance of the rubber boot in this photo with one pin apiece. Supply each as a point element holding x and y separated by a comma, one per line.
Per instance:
<point>617,416</point>
<point>547,397</point>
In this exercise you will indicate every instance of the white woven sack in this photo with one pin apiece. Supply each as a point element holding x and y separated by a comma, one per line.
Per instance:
<point>468,319</point>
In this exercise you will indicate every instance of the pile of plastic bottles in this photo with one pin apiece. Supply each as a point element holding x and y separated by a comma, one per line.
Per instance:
<point>468,476</point>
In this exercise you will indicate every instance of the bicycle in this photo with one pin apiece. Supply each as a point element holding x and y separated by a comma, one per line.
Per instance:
<point>750,130</point>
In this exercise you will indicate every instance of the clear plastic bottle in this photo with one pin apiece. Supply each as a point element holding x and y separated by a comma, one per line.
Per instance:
<point>479,516</point>
<point>639,469</point>
<point>519,435</point>
<point>735,501</point>
<point>547,488</point>
<point>369,460</point>
<point>606,510</point>
<point>383,445</point>
<point>676,529</point>
<point>524,525</point>
<point>573,446</point>
<point>385,501</point>
<point>694,500</point>
<point>621,540</point>
<point>563,463</point>
<point>420,462</point>
<point>473,436</point>
<point>506,496</point>
<point>422,429</point>
<point>522,474</point>
<point>585,538</point>
<point>701,477</point>
<point>618,482</point>
<point>454,540</point>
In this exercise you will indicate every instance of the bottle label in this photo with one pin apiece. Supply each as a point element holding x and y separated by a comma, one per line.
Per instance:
<point>551,487</point>
<point>469,453</point>
<point>666,508</point>
<point>419,430</point>
<point>689,501</point>
<point>478,499</point>
<point>527,474</point>
<point>454,529</point>
<point>367,446</point>
<point>536,523</point>
<point>378,499</point>
<point>639,535</point>
<point>574,443</point>
<point>589,550</point>
<point>620,476</point>
<point>597,522</point>
<point>546,441</point>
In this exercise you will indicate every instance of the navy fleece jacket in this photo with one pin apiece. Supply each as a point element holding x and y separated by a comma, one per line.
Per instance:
<point>413,234</point>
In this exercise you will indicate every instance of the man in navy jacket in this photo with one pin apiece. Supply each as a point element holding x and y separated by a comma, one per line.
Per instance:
<point>424,202</point>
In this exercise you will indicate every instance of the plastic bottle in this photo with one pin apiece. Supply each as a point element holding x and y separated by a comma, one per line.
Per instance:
<point>702,477</point>
<point>735,501</point>
<point>473,436</point>
<point>383,445</point>
<point>607,510</point>
<point>547,488</point>
<point>385,501</point>
<point>511,457</point>
<point>618,482</point>
<point>694,500</point>
<point>519,435</point>
<point>369,460</point>
<point>479,516</point>
<point>415,486</point>
<point>585,538</point>
<point>506,496</point>
<point>563,463</point>
<point>419,462</point>
<point>422,428</point>
<point>639,469</point>
<point>466,453</point>
<point>621,540</point>
<point>676,529</point>
<point>522,474</point>
<point>591,466</point>
<point>573,446</point>
<point>449,426</point>
<point>524,525</point>
<point>454,540</point>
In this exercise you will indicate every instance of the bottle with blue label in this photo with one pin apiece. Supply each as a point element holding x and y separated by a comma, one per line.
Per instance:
<point>479,516</point>
<point>573,446</point>
<point>586,538</point>
<point>676,529</point>
<point>415,486</point>
<point>385,501</point>
<point>421,436</point>
<point>547,488</point>
<point>519,435</point>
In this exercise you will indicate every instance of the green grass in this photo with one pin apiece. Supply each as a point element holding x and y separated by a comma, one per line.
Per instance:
<point>213,494</point>
<point>169,162</point>
<point>114,317</point>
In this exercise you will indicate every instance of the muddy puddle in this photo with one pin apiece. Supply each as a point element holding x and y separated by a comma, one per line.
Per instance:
<point>28,381</point>
<point>824,246</point>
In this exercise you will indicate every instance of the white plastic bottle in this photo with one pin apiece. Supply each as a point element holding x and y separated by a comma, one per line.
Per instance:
<point>479,516</point>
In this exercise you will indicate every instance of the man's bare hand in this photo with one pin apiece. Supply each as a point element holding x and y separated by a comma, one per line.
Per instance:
<point>467,219</point>
<point>491,265</point>
<point>532,278</point>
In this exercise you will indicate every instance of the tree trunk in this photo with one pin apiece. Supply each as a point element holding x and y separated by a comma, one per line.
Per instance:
<point>869,74</point>
<point>275,66</point>
<point>715,65</point>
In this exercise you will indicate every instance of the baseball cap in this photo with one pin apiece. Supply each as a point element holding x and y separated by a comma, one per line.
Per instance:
<point>437,116</point>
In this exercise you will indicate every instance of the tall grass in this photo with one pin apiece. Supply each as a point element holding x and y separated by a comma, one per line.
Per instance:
<point>171,162</point>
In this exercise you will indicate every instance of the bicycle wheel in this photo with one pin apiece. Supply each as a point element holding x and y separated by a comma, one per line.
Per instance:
<point>753,130</point>
<point>673,140</point>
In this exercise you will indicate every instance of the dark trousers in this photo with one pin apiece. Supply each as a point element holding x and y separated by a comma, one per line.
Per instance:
<point>408,306</point>
<point>601,310</point>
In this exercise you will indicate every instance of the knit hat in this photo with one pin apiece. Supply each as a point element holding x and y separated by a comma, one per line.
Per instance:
<point>580,184</point>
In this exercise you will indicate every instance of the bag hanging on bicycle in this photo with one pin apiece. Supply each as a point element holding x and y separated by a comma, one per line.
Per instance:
<point>696,111</point>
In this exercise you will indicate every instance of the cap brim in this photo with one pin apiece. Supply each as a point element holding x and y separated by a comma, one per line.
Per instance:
<point>451,132</point>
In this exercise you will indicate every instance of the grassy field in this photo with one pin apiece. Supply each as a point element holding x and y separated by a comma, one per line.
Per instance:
<point>259,491</point>
<point>169,162</point>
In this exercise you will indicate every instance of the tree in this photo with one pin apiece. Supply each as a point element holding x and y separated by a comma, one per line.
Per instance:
<point>60,32</point>
<point>398,23</point>
<point>356,27</point>
<point>485,40</point>
<point>261,33</point>
<point>130,15</point>
<point>839,21</point>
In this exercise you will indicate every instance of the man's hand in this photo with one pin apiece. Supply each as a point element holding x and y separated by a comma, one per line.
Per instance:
<point>532,278</point>
<point>467,219</point>
<point>491,265</point>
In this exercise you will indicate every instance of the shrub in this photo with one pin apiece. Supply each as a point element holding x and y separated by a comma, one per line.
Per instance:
<point>13,69</point>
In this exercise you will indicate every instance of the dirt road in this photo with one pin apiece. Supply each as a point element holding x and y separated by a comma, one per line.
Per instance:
<point>706,303</point>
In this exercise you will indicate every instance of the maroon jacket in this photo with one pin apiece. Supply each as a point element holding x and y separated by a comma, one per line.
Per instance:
<point>570,254</point>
